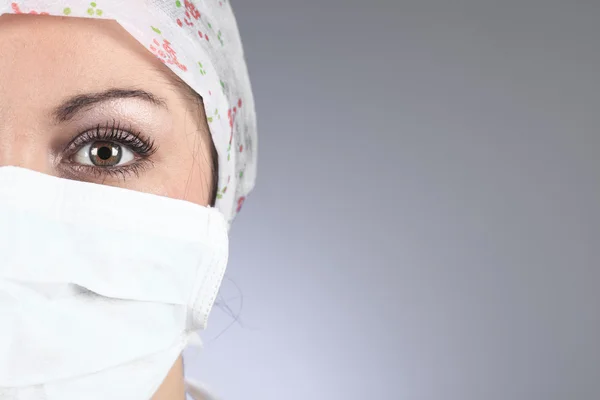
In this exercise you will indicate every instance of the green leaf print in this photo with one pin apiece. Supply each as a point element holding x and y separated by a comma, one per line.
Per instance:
<point>93,10</point>
<point>202,70</point>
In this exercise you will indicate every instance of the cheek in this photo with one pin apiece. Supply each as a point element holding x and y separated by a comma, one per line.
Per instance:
<point>194,180</point>
<point>192,184</point>
<point>183,172</point>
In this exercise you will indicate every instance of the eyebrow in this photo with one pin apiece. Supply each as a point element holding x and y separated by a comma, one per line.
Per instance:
<point>70,107</point>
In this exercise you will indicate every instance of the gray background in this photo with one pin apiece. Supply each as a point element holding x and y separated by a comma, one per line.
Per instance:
<point>426,223</point>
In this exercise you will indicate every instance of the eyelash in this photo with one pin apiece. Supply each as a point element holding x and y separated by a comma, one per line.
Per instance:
<point>143,147</point>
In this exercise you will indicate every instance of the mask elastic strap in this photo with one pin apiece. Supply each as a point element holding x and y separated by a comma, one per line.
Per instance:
<point>198,391</point>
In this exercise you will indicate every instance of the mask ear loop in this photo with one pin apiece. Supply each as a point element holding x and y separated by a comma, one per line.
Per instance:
<point>198,391</point>
<point>195,389</point>
<point>195,341</point>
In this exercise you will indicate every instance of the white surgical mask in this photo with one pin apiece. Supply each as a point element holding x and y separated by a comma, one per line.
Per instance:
<point>101,288</point>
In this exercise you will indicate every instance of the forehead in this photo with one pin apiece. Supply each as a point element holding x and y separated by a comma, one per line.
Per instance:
<point>47,55</point>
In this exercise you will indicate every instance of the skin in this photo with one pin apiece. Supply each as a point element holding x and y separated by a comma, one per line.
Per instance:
<point>46,61</point>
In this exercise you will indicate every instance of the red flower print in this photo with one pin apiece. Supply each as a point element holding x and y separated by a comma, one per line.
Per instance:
<point>191,13</point>
<point>205,36</point>
<point>231,113</point>
<point>191,9</point>
<point>168,56</point>
<point>17,10</point>
<point>230,117</point>
<point>240,103</point>
<point>241,201</point>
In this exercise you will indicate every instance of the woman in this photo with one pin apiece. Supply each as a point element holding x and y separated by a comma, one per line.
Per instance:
<point>119,130</point>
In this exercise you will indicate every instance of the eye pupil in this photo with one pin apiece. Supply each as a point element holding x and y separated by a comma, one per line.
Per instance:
<point>105,154</point>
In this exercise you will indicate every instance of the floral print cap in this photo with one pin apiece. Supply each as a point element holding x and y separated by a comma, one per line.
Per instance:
<point>200,42</point>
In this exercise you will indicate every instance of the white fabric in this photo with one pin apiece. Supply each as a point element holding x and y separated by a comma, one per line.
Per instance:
<point>101,288</point>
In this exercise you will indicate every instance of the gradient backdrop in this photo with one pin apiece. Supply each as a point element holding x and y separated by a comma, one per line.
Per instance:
<point>426,223</point>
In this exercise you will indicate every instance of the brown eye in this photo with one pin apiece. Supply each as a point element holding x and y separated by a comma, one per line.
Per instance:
<point>103,154</point>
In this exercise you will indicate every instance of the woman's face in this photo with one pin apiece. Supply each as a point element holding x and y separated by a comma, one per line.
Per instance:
<point>83,100</point>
